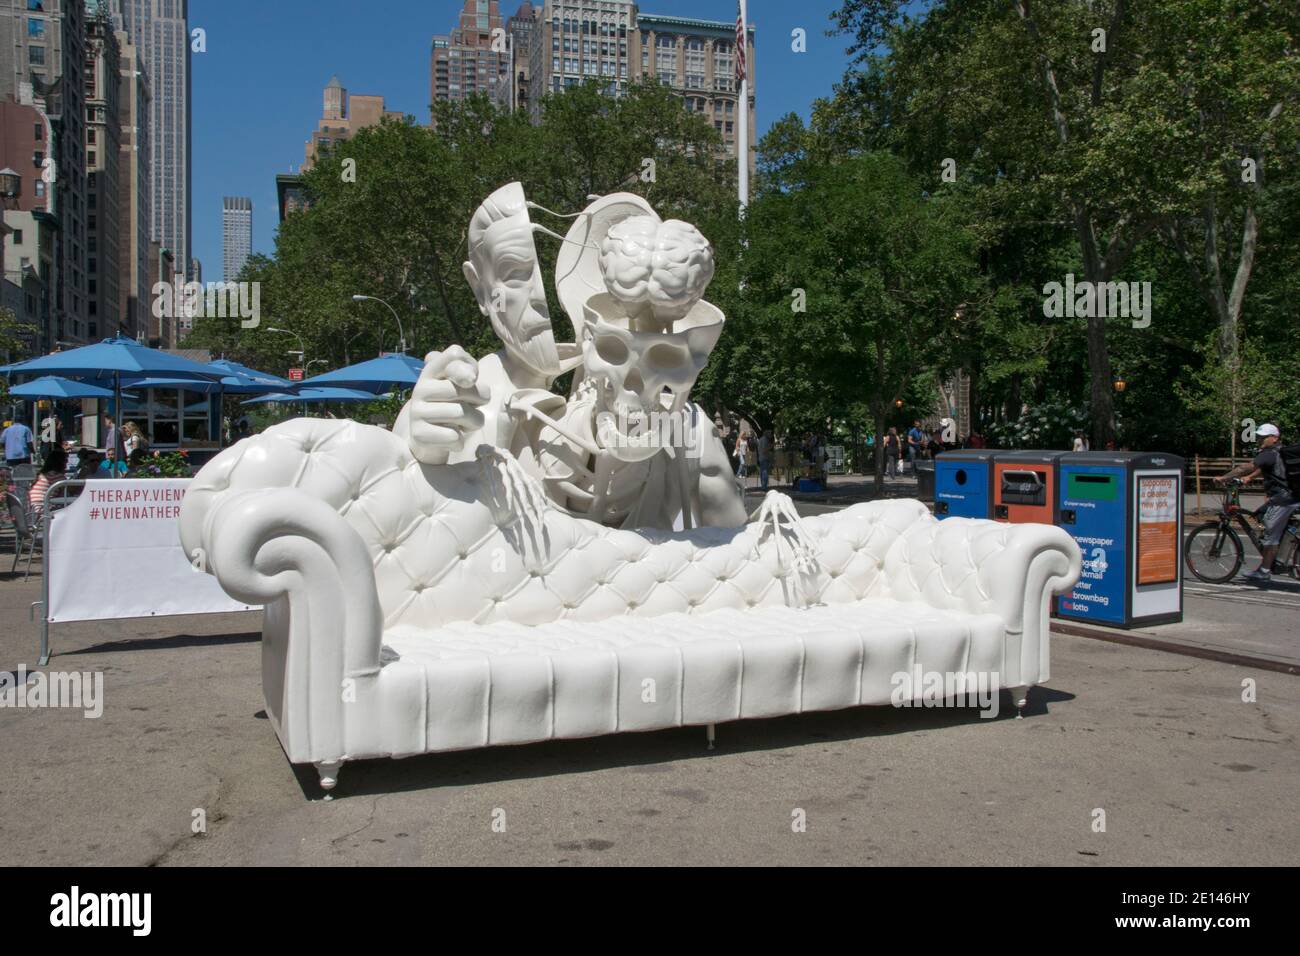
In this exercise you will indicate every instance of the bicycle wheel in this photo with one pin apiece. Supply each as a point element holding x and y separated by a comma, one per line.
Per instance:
<point>1213,553</point>
<point>1288,556</point>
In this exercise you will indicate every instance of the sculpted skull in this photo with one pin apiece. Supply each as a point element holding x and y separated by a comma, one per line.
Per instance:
<point>643,379</point>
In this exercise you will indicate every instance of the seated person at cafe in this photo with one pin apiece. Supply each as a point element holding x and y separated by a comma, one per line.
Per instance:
<point>111,464</point>
<point>53,469</point>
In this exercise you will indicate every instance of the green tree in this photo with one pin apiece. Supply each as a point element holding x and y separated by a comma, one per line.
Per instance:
<point>1111,119</point>
<point>852,278</point>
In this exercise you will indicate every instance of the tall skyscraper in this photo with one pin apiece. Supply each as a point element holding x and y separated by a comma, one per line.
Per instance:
<point>159,29</point>
<point>134,293</point>
<point>42,51</point>
<point>613,41</point>
<point>237,234</point>
<point>103,154</point>
<point>474,57</point>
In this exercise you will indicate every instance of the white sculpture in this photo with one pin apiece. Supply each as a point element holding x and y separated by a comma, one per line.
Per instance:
<point>628,448</point>
<point>443,587</point>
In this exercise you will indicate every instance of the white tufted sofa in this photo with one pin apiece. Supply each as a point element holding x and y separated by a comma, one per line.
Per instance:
<point>408,611</point>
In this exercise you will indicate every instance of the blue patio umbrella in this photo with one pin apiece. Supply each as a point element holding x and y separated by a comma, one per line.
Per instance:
<point>52,386</point>
<point>139,385</point>
<point>239,379</point>
<point>118,358</point>
<point>114,360</point>
<point>384,374</point>
<point>315,395</point>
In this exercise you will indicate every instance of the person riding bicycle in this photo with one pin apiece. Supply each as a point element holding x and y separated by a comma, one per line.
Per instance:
<point>1280,503</point>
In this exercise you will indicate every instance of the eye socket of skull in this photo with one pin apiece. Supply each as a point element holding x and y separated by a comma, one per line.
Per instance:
<point>665,357</point>
<point>611,348</point>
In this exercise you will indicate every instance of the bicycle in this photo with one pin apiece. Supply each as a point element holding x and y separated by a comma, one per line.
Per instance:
<point>1214,552</point>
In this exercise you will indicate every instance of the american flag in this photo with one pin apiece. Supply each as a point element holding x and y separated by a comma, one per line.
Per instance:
<point>741,46</point>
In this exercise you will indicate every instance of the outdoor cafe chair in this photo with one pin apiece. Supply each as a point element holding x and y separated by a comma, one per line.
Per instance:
<point>27,530</point>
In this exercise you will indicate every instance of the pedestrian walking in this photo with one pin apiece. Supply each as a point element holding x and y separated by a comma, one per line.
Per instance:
<point>892,453</point>
<point>915,439</point>
<point>19,444</point>
<point>765,444</point>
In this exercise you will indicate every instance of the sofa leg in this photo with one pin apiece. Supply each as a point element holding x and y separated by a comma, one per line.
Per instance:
<point>329,775</point>
<point>1019,697</point>
<point>709,735</point>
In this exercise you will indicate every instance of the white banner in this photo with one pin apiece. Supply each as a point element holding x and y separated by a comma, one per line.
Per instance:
<point>116,552</point>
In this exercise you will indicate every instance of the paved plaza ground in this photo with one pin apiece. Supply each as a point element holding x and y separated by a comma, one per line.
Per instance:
<point>1185,771</point>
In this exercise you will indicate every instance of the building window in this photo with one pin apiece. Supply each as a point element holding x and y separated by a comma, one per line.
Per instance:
<point>38,158</point>
<point>40,188</point>
<point>90,135</point>
<point>38,132</point>
<point>18,237</point>
<point>35,28</point>
<point>36,55</point>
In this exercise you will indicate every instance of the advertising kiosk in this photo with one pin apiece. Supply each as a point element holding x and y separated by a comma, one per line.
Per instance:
<point>963,483</point>
<point>1125,510</point>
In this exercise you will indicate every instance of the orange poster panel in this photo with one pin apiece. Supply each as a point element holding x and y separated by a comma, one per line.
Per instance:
<point>1157,543</point>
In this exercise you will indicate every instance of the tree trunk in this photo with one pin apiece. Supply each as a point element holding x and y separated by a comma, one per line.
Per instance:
<point>1101,384</point>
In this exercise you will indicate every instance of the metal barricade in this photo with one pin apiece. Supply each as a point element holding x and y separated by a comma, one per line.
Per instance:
<point>56,499</point>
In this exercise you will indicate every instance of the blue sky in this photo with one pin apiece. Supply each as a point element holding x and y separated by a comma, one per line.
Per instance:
<point>257,89</point>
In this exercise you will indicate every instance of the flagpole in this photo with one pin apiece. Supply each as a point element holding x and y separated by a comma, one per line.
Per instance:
<point>742,139</point>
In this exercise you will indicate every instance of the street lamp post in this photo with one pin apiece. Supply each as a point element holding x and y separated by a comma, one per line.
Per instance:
<point>400,331</point>
<point>302,346</point>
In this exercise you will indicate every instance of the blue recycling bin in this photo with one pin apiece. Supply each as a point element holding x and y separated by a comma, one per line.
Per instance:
<point>1125,511</point>
<point>963,483</point>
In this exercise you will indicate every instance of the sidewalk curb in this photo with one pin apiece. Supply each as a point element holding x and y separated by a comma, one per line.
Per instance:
<point>1173,647</point>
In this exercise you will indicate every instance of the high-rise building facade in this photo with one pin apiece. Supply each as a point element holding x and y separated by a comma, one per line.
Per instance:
<point>159,29</point>
<point>134,294</point>
<point>103,154</point>
<point>580,40</point>
<point>697,58</point>
<point>516,94</point>
<point>342,116</point>
<point>474,57</point>
<point>236,234</point>
<point>42,50</point>
<point>31,230</point>
<point>164,331</point>
<point>574,41</point>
